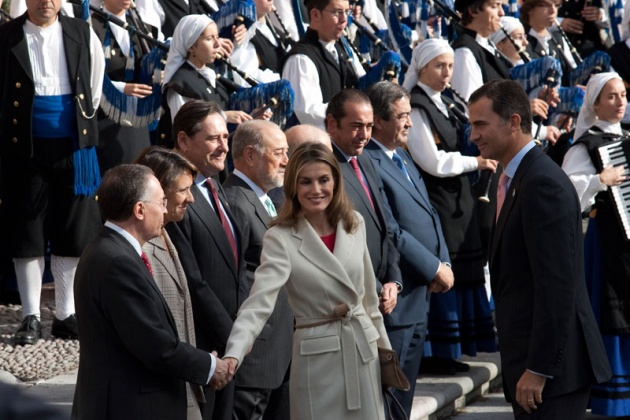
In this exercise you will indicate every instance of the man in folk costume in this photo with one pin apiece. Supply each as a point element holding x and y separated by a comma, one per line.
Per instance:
<point>50,84</point>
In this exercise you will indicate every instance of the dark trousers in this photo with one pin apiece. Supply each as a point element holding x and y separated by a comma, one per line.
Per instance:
<point>568,406</point>
<point>262,404</point>
<point>39,204</point>
<point>407,342</point>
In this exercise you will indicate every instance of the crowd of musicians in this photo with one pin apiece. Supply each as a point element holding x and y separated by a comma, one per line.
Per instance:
<point>84,89</point>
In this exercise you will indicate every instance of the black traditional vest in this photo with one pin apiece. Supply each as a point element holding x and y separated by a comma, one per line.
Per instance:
<point>589,40</point>
<point>333,77</point>
<point>493,66</point>
<point>452,196</point>
<point>269,55</point>
<point>190,83</point>
<point>615,250</point>
<point>17,88</point>
<point>620,60</point>
<point>116,68</point>
<point>174,10</point>
<point>536,50</point>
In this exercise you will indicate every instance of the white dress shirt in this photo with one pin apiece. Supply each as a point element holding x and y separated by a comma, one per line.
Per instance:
<point>300,71</point>
<point>245,57</point>
<point>47,55</point>
<point>422,145</point>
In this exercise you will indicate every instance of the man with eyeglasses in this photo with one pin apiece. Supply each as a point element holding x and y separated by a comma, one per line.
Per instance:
<point>132,363</point>
<point>424,256</point>
<point>319,65</point>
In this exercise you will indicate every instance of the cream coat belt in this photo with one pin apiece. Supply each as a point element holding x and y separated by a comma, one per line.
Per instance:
<point>353,340</point>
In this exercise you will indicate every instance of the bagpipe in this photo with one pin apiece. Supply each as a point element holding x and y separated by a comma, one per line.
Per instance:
<point>278,95</point>
<point>125,109</point>
<point>234,13</point>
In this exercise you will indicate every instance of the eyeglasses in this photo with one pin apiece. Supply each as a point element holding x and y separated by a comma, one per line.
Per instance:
<point>339,13</point>
<point>162,204</point>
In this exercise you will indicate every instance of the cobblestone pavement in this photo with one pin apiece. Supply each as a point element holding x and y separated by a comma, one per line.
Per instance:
<point>48,357</point>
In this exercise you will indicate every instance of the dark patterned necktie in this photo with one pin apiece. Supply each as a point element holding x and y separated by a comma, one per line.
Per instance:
<point>223,218</point>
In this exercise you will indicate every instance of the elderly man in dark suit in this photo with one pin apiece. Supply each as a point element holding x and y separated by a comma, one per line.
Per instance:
<point>259,149</point>
<point>132,363</point>
<point>349,121</point>
<point>424,257</point>
<point>551,349</point>
<point>208,240</point>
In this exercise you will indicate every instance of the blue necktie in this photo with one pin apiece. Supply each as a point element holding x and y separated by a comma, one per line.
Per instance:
<point>399,162</point>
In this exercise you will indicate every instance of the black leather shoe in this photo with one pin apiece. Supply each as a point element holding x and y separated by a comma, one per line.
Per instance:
<point>66,328</point>
<point>29,332</point>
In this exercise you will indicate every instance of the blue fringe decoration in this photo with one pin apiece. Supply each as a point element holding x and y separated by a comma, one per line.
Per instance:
<point>571,100</point>
<point>598,62</point>
<point>299,19</point>
<point>85,9</point>
<point>249,99</point>
<point>615,14</point>
<point>532,75</point>
<point>87,175</point>
<point>400,34</point>
<point>389,61</point>
<point>227,13</point>
<point>130,110</point>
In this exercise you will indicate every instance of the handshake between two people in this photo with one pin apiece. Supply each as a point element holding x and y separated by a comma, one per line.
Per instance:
<point>223,372</point>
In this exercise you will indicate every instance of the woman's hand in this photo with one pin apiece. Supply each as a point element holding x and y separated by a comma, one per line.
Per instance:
<point>612,175</point>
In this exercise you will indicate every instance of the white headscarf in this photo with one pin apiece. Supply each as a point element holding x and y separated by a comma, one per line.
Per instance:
<point>186,33</point>
<point>510,24</point>
<point>587,117</point>
<point>426,51</point>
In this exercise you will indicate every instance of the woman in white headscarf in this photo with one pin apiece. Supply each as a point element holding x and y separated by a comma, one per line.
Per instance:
<point>515,29</point>
<point>187,76</point>
<point>460,321</point>
<point>607,252</point>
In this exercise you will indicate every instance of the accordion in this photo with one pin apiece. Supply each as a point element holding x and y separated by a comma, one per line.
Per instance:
<point>617,153</point>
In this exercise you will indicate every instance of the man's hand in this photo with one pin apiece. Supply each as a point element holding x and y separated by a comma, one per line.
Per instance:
<point>138,90</point>
<point>389,297</point>
<point>529,391</point>
<point>552,134</point>
<point>237,117</point>
<point>223,373</point>
<point>572,26</point>
<point>489,164</point>
<point>592,14</point>
<point>443,281</point>
<point>239,33</point>
<point>550,95</point>
<point>539,107</point>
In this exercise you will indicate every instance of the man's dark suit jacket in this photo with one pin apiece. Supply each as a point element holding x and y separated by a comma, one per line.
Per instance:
<point>266,365</point>
<point>544,318</point>
<point>417,235</point>
<point>217,285</point>
<point>383,252</point>
<point>132,364</point>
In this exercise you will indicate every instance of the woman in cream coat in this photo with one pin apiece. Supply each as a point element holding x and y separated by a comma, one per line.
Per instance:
<point>317,250</point>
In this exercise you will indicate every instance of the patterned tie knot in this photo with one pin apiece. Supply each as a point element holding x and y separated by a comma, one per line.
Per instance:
<point>271,209</point>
